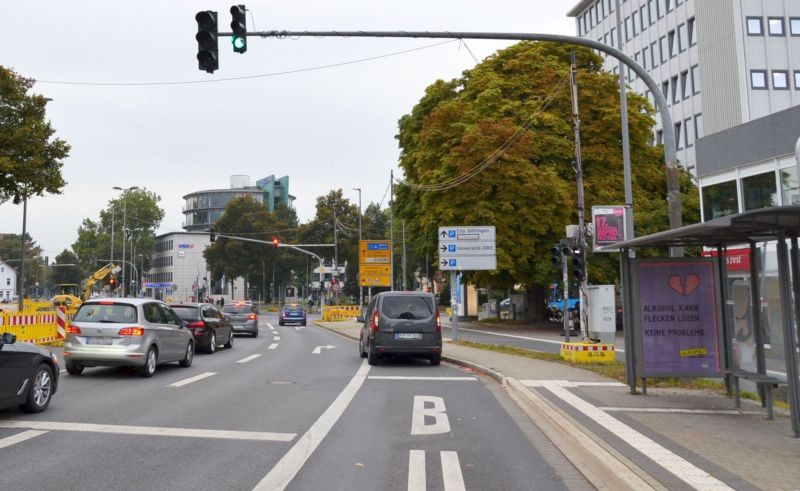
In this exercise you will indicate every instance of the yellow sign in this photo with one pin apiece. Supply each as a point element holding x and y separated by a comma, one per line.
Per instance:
<point>373,269</point>
<point>376,280</point>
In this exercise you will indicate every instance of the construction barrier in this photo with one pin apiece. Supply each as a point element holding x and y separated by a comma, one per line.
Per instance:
<point>334,313</point>
<point>40,327</point>
<point>588,352</point>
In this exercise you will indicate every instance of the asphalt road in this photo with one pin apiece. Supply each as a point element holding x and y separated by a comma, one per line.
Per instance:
<point>295,408</point>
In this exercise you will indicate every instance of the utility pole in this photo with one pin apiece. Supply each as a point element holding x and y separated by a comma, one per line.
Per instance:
<point>124,229</point>
<point>360,288</point>
<point>391,225</point>
<point>405,286</point>
<point>584,282</point>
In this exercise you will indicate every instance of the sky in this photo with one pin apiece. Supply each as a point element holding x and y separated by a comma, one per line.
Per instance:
<point>127,95</point>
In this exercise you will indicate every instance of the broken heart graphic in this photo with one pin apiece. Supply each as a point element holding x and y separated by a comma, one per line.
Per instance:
<point>684,286</point>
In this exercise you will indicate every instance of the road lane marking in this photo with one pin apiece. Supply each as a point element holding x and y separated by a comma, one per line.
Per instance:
<point>416,470</point>
<point>189,380</point>
<point>451,471</point>
<point>276,338</point>
<point>729,412</point>
<point>19,437</point>
<point>437,411</point>
<point>271,327</point>
<point>687,472</point>
<point>273,346</point>
<point>290,464</point>
<point>397,377</point>
<point>248,358</point>
<point>319,349</point>
<point>150,430</point>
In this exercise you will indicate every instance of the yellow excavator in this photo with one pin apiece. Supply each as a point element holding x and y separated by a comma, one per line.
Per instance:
<point>70,295</point>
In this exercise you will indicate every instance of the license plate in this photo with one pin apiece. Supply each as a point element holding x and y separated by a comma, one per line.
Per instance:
<point>105,340</point>
<point>407,335</point>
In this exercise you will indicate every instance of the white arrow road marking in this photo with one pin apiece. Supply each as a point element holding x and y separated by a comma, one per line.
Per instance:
<point>150,430</point>
<point>441,423</point>
<point>451,471</point>
<point>248,358</point>
<point>19,437</point>
<point>319,349</point>
<point>684,470</point>
<point>284,471</point>
<point>189,380</point>
<point>273,346</point>
<point>416,470</point>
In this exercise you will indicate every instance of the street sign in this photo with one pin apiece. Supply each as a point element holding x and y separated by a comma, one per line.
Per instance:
<point>375,262</point>
<point>467,248</point>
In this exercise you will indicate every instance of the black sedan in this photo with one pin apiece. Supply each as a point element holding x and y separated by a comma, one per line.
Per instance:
<point>210,327</point>
<point>28,375</point>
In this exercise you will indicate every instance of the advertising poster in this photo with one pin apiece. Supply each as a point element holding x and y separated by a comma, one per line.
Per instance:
<point>679,317</point>
<point>609,227</point>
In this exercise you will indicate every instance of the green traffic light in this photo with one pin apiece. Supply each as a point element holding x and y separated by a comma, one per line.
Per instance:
<point>239,43</point>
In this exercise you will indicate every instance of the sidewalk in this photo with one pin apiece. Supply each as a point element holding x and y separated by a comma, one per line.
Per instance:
<point>669,439</point>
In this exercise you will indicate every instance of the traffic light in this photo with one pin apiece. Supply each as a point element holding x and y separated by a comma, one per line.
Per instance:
<point>239,28</point>
<point>212,234</point>
<point>207,50</point>
<point>579,264</point>
<point>555,251</point>
<point>112,283</point>
<point>276,241</point>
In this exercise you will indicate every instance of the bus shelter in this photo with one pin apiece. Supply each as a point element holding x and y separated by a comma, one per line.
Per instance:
<point>719,314</point>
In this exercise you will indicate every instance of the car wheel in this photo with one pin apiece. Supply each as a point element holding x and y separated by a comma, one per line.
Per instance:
<point>229,344</point>
<point>40,391</point>
<point>361,352</point>
<point>212,343</point>
<point>255,333</point>
<point>280,323</point>
<point>436,359</point>
<point>150,361</point>
<point>187,359</point>
<point>304,323</point>
<point>74,368</point>
<point>372,357</point>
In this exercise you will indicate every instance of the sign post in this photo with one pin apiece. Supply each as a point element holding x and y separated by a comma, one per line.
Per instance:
<point>465,248</point>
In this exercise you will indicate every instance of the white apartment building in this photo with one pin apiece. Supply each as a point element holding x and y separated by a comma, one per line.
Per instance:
<point>719,63</point>
<point>8,282</point>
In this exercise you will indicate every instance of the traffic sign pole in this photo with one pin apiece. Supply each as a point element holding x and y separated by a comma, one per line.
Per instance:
<point>454,304</point>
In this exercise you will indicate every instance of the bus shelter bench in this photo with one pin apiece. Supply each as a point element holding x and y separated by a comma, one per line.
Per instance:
<point>764,381</point>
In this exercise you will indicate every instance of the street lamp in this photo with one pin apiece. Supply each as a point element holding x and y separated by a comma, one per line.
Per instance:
<point>360,288</point>
<point>124,218</point>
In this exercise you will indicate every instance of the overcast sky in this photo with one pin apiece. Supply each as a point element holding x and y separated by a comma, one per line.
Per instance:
<point>325,128</point>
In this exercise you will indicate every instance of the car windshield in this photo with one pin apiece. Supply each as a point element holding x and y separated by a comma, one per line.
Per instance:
<point>185,311</point>
<point>237,309</point>
<point>407,307</point>
<point>292,308</point>
<point>106,312</point>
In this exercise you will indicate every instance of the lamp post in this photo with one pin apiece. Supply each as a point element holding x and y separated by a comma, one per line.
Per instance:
<point>360,288</point>
<point>124,218</point>
<point>141,274</point>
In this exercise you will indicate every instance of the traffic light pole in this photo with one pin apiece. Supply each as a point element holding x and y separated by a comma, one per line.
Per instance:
<point>565,311</point>
<point>581,256</point>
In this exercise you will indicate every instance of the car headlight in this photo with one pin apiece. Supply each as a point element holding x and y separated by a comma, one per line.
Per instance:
<point>54,358</point>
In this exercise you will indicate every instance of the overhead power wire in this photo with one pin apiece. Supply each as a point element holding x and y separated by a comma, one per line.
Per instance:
<point>496,154</point>
<point>247,77</point>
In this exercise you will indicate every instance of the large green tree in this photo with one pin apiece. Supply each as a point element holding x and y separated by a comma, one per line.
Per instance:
<point>511,116</point>
<point>142,216</point>
<point>30,158</point>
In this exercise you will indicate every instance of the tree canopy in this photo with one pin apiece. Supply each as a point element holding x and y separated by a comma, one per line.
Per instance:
<point>512,115</point>
<point>30,159</point>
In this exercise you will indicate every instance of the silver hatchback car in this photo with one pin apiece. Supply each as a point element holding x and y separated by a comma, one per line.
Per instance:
<point>139,332</point>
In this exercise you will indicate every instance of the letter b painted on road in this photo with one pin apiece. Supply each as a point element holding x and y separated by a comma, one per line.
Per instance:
<point>426,407</point>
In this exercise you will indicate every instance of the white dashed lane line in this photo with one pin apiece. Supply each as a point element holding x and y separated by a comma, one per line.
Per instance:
<point>19,437</point>
<point>190,380</point>
<point>273,346</point>
<point>248,358</point>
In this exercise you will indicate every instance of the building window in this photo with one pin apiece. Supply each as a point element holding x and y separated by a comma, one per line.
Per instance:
<point>678,136</point>
<point>780,79</point>
<point>669,5</point>
<point>664,49</point>
<point>789,187</point>
<point>759,191</point>
<point>652,12</point>
<point>690,31</point>
<point>660,137</point>
<point>686,85</point>
<point>613,37</point>
<point>775,26</point>
<point>698,126</point>
<point>646,57</point>
<point>654,52</point>
<point>794,25</point>
<point>758,79</point>
<point>643,14</point>
<point>796,80</point>
<point>695,79</point>
<point>628,28</point>
<point>755,26</point>
<point>689,133</point>
<point>673,45</point>
<point>662,8</point>
<point>683,41</point>
<point>676,93</point>
<point>635,22</point>
<point>720,200</point>
<point>665,91</point>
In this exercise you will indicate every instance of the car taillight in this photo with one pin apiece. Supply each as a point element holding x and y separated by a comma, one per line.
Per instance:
<point>251,316</point>
<point>73,330</point>
<point>438,321</point>
<point>196,324</point>
<point>131,331</point>
<point>374,323</point>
